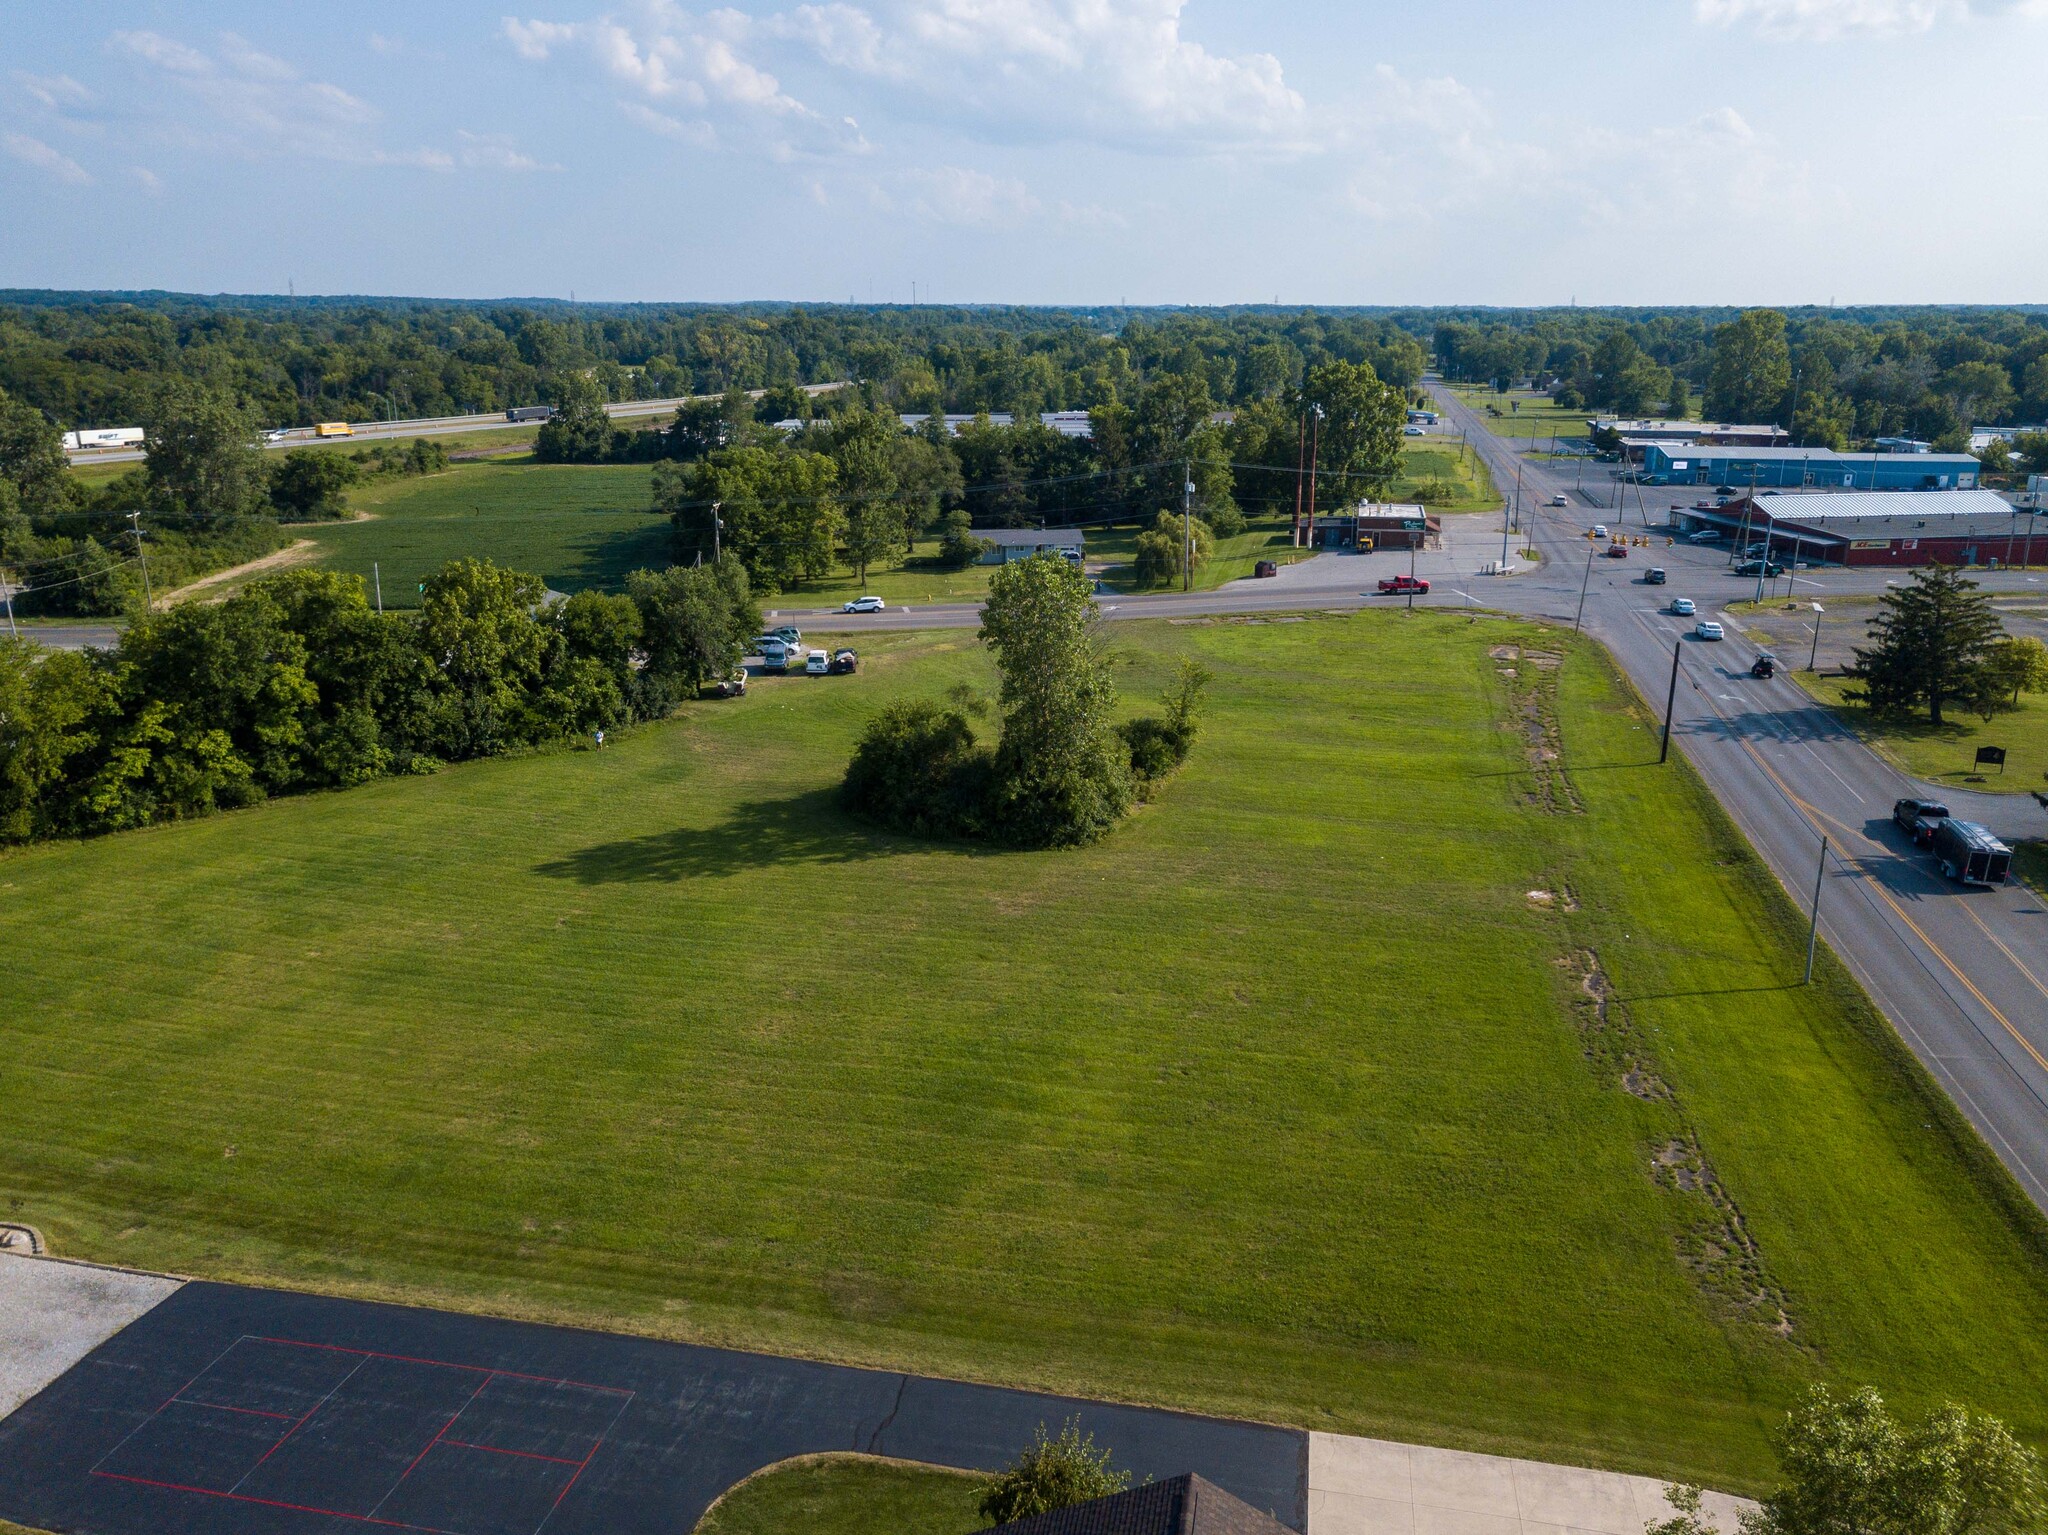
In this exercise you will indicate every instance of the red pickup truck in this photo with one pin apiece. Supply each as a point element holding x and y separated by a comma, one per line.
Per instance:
<point>1394,586</point>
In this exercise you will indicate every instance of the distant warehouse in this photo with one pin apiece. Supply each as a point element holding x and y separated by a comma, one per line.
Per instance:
<point>1954,527</point>
<point>1805,468</point>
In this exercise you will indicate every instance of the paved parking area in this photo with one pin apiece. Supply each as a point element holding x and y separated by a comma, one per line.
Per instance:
<point>1375,1487</point>
<point>232,1411</point>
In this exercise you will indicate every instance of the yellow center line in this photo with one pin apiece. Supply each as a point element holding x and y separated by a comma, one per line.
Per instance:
<point>1815,817</point>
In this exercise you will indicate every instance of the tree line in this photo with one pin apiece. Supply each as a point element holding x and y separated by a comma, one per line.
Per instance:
<point>1832,378</point>
<point>297,683</point>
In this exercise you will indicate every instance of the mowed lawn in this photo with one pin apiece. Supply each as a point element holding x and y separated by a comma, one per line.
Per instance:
<point>1286,1100</point>
<point>574,525</point>
<point>1947,754</point>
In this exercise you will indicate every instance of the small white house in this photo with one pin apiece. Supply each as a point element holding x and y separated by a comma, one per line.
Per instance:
<point>1007,544</point>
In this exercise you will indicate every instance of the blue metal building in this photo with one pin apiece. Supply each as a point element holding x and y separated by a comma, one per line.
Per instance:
<point>1673,463</point>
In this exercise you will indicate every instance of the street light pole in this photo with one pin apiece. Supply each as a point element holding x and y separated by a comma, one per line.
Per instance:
<point>1187,532</point>
<point>1670,700</point>
<point>1813,924</point>
<point>1812,661</point>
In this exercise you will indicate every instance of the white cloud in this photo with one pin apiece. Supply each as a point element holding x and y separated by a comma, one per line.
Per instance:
<point>1831,20</point>
<point>969,198</point>
<point>662,54</point>
<point>496,152</point>
<point>146,179</point>
<point>58,93</point>
<point>242,102</point>
<point>34,152</point>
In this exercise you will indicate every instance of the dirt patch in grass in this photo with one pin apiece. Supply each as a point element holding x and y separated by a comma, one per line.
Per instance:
<point>1533,695</point>
<point>1608,1035</point>
<point>1715,1245</point>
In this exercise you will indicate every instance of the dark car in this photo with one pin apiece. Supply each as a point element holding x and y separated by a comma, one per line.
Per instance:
<point>1724,490</point>
<point>845,661</point>
<point>1266,568</point>
<point>1760,568</point>
<point>1917,818</point>
<point>1654,576</point>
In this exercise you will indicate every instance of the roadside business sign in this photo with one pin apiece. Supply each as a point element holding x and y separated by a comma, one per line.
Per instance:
<point>1991,756</point>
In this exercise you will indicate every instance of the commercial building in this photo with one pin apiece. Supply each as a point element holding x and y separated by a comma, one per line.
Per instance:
<point>1389,525</point>
<point>1007,544</point>
<point>1722,433</point>
<point>1954,527</point>
<point>1806,468</point>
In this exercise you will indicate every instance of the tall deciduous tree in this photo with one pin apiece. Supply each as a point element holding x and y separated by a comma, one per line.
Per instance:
<point>1851,1468</point>
<point>579,432</point>
<point>1752,367</point>
<point>1932,644</point>
<point>32,459</point>
<point>1062,774</point>
<point>694,623</point>
<point>200,459</point>
<point>1359,436</point>
<point>863,447</point>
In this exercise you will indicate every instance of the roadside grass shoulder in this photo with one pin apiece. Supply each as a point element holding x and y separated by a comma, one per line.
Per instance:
<point>1424,1062</point>
<point>1947,754</point>
<point>847,1495</point>
<point>2030,863</point>
<point>1264,538</point>
<point>1522,412</point>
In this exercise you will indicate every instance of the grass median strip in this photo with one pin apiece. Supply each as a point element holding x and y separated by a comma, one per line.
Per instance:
<point>1282,1101</point>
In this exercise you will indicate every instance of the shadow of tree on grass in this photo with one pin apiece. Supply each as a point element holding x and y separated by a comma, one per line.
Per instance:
<point>803,828</point>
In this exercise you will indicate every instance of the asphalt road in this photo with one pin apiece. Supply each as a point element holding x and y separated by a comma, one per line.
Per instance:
<point>1963,975</point>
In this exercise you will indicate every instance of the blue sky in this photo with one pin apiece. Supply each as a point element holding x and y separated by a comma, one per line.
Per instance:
<point>1034,151</point>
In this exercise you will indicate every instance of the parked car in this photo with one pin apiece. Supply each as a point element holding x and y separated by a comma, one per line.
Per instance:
<point>1394,586</point>
<point>790,635</point>
<point>1617,550</point>
<point>734,686</point>
<point>1917,818</point>
<point>775,656</point>
<point>1413,431</point>
<point>1765,665</point>
<point>1724,490</point>
<point>1655,576</point>
<point>1683,607</point>
<point>845,661</point>
<point>1707,629</point>
<point>1760,568</point>
<point>1599,530</point>
<point>864,605</point>
<point>1705,536</point>
<point>817,664</point>
<point>1266,568</point>
<point>1560,499</point>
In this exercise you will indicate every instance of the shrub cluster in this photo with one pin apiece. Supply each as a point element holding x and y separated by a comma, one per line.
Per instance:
<point>1060,773</point>
<point>1052,1474</point>
<point>297,683</point>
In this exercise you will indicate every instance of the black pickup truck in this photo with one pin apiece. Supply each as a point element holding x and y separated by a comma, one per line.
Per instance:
<point>1917,818</point>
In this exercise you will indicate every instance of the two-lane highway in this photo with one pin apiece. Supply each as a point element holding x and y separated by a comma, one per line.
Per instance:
<point>1963,975</point>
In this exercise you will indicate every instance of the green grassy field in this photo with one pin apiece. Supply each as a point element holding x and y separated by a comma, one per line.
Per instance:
<point>1289,1099</point>
<point>1948,755</point>
<point>1522,413</point>
<point>847,1495</point>
<point>1466,473</point>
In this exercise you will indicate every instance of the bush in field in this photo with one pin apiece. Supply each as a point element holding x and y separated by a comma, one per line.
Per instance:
<point>918,768</point>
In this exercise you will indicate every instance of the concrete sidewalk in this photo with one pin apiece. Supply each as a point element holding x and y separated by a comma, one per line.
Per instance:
<point>53,1313</point>
<point>1377,1487</point>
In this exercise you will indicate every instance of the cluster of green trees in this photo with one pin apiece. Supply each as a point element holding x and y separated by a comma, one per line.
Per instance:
<point>296,683</point>
<point>211,498</point>
<point>1938,641</point>
<point>849,482</point>
<point>1831,377</point>
<point>1061,772</point>
<point>99,359</point>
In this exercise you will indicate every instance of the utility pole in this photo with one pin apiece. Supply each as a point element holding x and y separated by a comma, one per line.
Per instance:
<point>7,590</point>
<point>1516,503</point>
<point>1670,700</point>
<point>1770,528</point>
<point>148,600</point>
<point>1813,924</point>
<point>1413,543</point>
<point>1812,661</point>
<point>377,579</point>
<point>1187,531</point>
<point>1315,448</point>
<point>717,522</point>
<point>1300,471</point>
<point>1583,584</point>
